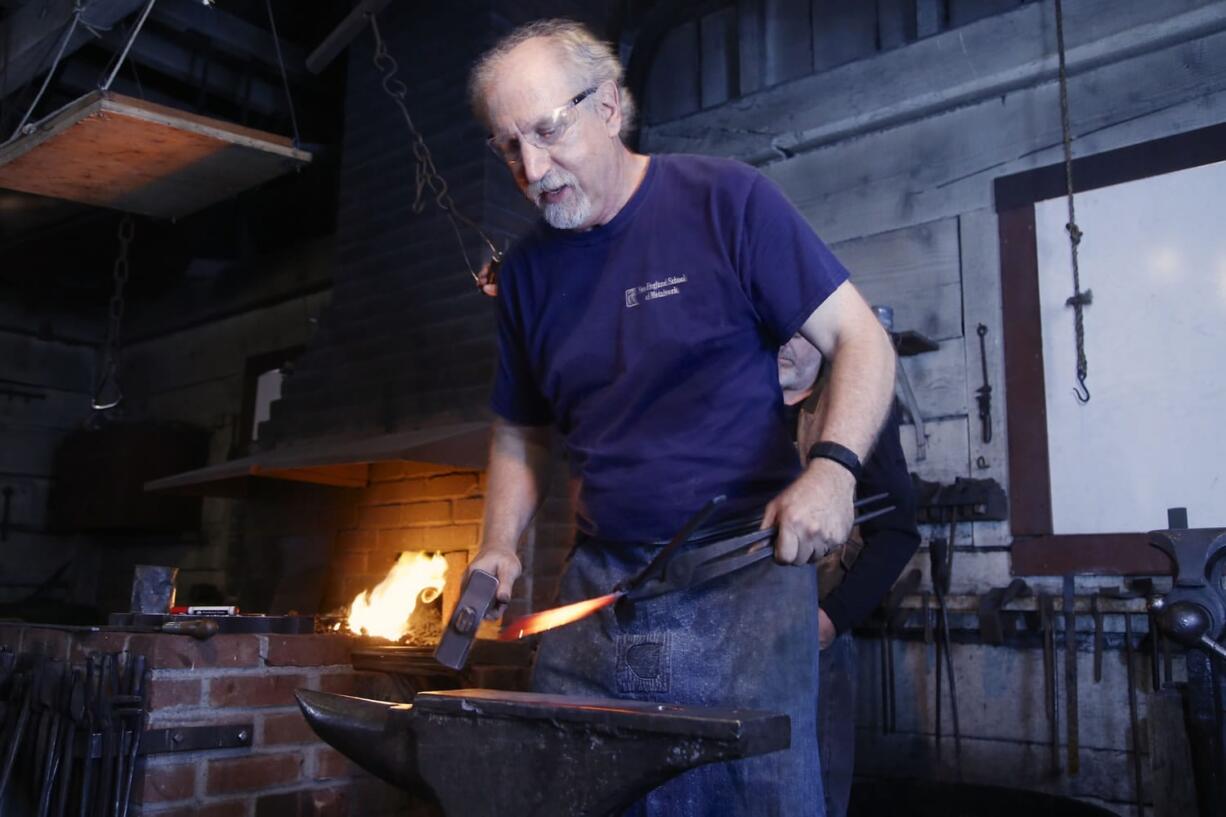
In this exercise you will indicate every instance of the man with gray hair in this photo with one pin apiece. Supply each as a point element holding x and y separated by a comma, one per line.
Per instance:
<point>641,319</point>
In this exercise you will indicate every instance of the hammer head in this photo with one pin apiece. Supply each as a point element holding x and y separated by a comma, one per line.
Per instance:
<point>457,640</point>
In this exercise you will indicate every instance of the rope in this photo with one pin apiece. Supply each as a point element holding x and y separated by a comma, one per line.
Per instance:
<point>426,175</point>
<point>1079,300</point>
<point>276,43</point>
<point>77,10</point>
<point>123,55</point>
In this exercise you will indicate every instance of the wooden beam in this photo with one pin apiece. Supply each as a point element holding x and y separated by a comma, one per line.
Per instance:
<point>232,34</point>
<point>1025,389</point>
<point>1112,554</point>
<point>982,61</point>
<point>154,50</point>
<point>343,34</point>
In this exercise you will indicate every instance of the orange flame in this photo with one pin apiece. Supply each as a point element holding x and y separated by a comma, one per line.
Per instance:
<point>548,619</point>
<point>385,610</point>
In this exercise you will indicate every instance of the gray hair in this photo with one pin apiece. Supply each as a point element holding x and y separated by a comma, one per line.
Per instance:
<point>594,61</point>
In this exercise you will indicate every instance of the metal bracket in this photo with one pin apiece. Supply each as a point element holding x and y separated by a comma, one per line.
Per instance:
<point>178,739</point>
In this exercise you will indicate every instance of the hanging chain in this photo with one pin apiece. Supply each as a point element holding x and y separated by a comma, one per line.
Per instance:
<point>426,175</point>
<point>1079,300</point>
<point>104,397</point>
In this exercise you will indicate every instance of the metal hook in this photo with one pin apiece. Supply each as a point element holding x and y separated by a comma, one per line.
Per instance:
<point>1081,391</point>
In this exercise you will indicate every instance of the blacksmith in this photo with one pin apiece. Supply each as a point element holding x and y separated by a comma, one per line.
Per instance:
<point>641,320</point>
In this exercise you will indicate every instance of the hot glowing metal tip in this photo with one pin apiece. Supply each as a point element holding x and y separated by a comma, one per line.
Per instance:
<point>557,617</point>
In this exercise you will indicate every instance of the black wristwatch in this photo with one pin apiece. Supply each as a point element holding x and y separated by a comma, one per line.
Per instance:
<point>841,454</point>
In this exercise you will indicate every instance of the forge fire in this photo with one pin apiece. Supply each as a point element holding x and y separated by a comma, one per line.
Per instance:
<point>388,610</point>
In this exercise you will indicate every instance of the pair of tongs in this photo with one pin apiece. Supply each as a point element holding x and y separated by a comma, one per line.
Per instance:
<point>670,571</point>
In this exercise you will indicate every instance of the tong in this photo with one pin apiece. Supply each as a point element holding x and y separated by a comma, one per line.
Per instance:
<point>671,571</point>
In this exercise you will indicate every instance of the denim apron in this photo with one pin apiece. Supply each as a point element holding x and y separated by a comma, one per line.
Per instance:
<point>746,640</point>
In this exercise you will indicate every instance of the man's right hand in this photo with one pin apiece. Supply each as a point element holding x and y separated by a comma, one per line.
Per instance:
<point>503,565</point>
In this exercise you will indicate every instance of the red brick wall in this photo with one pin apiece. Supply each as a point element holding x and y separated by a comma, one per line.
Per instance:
<point>421,506</point>
<point>408,506</point>
<point>239,680</point>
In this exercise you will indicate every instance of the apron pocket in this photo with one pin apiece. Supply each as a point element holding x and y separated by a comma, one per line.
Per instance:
<point>643,663</point>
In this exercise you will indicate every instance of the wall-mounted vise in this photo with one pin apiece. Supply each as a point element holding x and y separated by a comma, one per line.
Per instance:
<point>1193,613</point>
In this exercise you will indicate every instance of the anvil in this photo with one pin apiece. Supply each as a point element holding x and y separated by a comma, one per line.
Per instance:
<point>486,753</point>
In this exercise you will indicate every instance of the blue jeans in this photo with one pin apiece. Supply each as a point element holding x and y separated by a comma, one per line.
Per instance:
<point>836,722</point>
<point>747,640</point>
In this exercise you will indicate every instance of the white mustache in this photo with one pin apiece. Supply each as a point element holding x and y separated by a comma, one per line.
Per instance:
<point>551,181</point>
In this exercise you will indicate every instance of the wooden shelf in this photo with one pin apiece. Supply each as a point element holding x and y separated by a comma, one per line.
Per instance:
<point>126,154</point>
<point>910,343</point>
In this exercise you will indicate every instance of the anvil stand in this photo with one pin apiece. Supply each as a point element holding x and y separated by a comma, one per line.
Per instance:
<point>1193,613</point>
<point>484,753</point>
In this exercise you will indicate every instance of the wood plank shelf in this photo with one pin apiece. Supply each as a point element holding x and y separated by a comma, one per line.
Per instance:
<point>911,343</point>
<point>126,154</point>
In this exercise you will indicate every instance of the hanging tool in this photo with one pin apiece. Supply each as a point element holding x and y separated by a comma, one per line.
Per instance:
<point>925,602</point>
<point>49,748</point>
<point>991,619</point>
<point>17,720</point>
<point>670,571</point>
<point>941,559</point>
<point>74,706</point>
<point>893,615</point>
<point>1047,625</point>
<point>974,500</point>
<point>1134,720</point>
<point>1071,719</point>
<point>1097,612</point>
<point>131,707</point>
<point>983,394</point>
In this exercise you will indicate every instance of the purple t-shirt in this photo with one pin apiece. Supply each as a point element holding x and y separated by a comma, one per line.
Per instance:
<point>650,343</point>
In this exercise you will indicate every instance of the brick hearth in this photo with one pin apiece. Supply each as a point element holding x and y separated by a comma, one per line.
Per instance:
<point>239,679</point>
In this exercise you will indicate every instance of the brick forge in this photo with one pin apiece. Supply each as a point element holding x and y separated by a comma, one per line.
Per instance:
<point>238,680</point>
<point>416,506</point>
<point>408,506</point>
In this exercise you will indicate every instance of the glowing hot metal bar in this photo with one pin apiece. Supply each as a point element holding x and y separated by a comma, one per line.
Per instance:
<point>548,619</point>
<point>670,571</point>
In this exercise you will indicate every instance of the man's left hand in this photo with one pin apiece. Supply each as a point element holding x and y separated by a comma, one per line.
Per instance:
<point>813,514</point>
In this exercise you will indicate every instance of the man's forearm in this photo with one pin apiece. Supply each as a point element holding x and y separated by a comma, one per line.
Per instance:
<point>517,478</point>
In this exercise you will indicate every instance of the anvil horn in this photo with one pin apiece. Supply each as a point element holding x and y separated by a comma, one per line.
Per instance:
<point>366,732</point>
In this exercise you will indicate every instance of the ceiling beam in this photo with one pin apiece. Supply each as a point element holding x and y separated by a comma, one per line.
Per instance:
<point>232,34</point>
<point>154,50</point>
<point>32,34</point>
<point>343,34</point>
